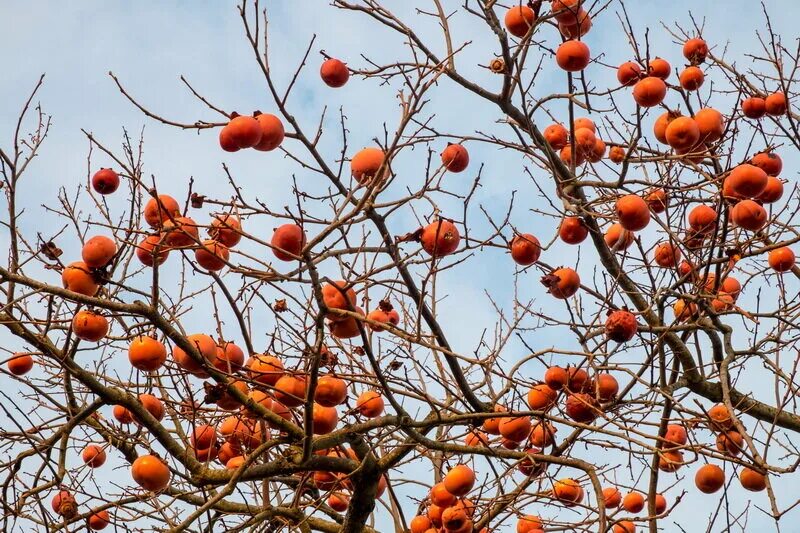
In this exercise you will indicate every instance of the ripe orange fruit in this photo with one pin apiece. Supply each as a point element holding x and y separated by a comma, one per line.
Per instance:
<point>290,390</point>
<point>573,55</point>
<point>99,520</point>
<point>752,480</point>
<point>568,491</point>
<point>89,326</point>
<point>616,154</point>
<point>692,78</point>
<point>518,20</point>
<point>730,443</point>
<point>649,92</point>
<point>541,397</point>
<point>146,353</point>
<point>152,250</point>
<point>334,73</point>
<point>272,132</point>
<point>288,241</point>
<point>159,209</point>
<point>180,232</point>
<point>207,348</point>
<point>459,480</point>
<point>244,131</point>
<point>618,238</point>
<point>606,387</point>
<point>93,456</point>
<point>265,369</point>
<point>370,404</point>
<point>105,181</point>
<point>628,73</point>
<point>365,164</point>
<point>695,50</point>
<point>324,419</point>
<point>98,251</point>
<point>562,283</point>
<point>612,497</point>
<point>709,478</point>
<point>632,212</point>
<point>581,408</point>
<point>77,277</point>
<point>515,429</point>
<point>702,219</point>
<point>670,461</point>
<point>455,158</point>
<point>666,255</point>
<point>747,181</point>
<point>20,363</point>
<point>659,68</point>
<point>633,502</point>
<point>525,249</point>
<point>711,124</point>
<point>748,215</point>
<point>556,136</point>
<point>440,238</point>
<point>675,436</point>
<point>682,133</point>
<point>781,259</point>
<point>573,230</point>
<point>754,107</point>
<point>150,473</point>
<point>775,104</point>
<point>769,162</point>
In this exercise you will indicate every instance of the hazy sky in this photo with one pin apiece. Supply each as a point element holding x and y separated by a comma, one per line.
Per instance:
<point>150,44</point>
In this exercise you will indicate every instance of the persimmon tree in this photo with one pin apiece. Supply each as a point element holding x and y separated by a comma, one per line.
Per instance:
<point>235,365</point>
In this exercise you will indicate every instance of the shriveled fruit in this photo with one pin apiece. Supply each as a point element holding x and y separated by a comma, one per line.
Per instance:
<point>64,504</point>
<point>666,255</point>
<point>657,199</point>
<point>334,73</point>
<point>616,154</point>
<point>621,325</point>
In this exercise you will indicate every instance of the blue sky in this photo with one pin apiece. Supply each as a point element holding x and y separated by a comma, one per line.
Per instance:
<point>150,44</point>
